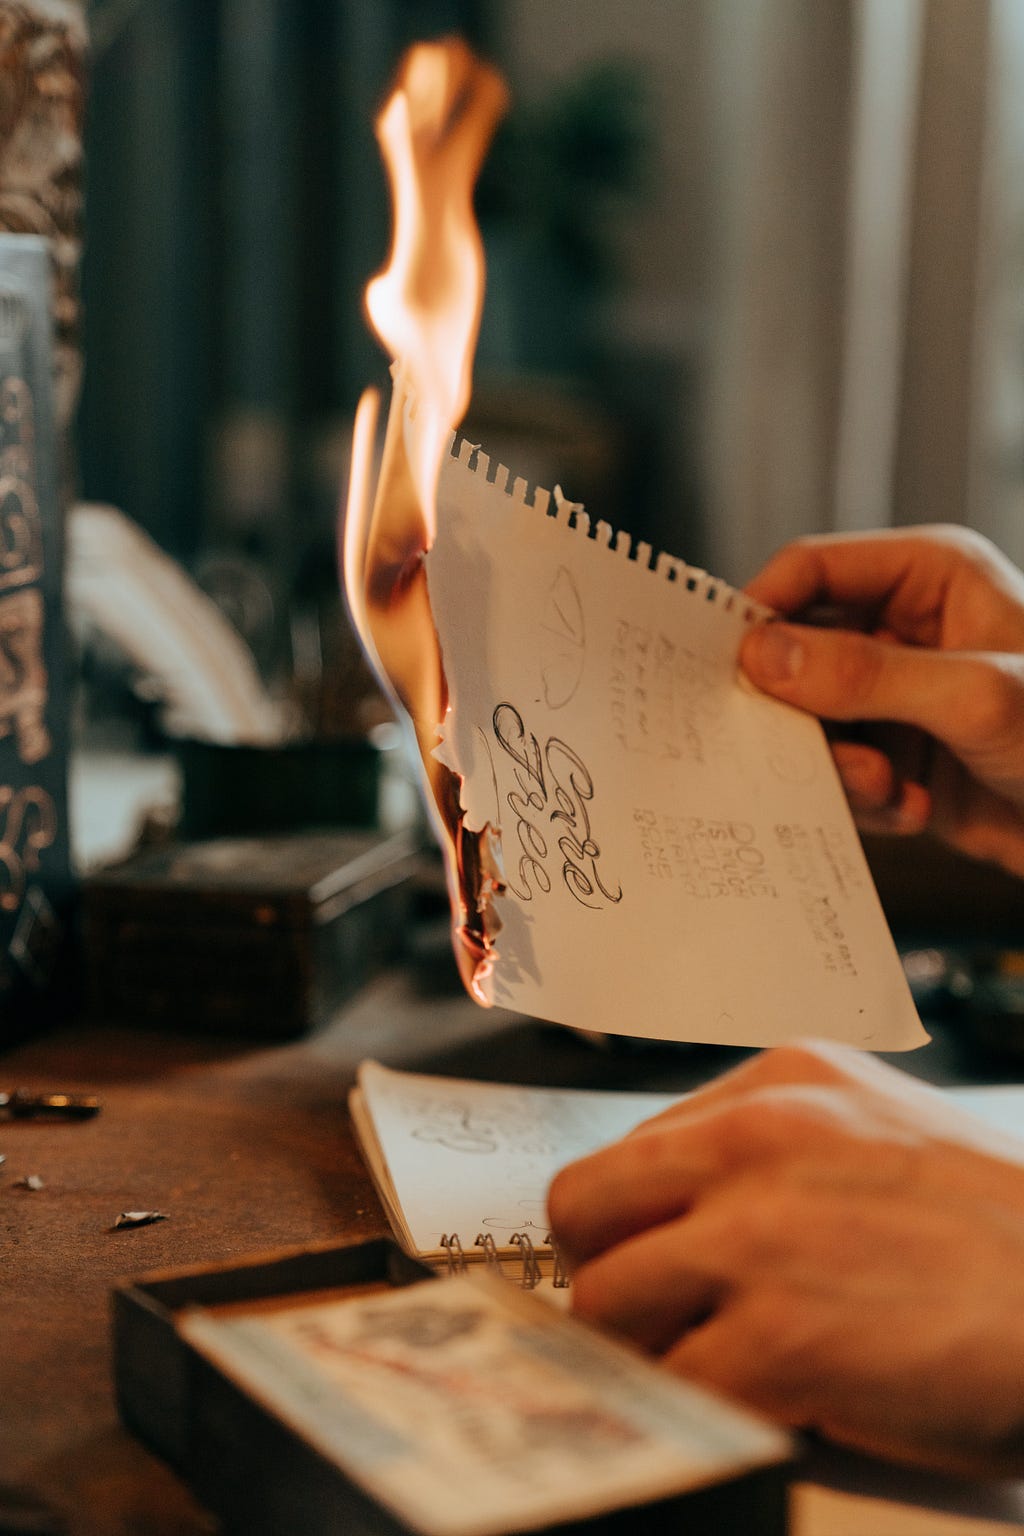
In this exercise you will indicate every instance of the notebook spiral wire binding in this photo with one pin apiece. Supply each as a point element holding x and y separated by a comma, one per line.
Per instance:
<point>531,1269</point>
<point>528,1274</point>
<point>573,516</point>
<point>559,1275</point>
<point>454,1257</point>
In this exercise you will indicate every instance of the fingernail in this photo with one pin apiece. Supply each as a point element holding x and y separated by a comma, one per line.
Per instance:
<point>776,652</point>
<point>913,812</point>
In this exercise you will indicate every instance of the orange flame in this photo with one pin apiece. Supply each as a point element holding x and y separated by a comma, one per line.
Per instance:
<point>425,307</point>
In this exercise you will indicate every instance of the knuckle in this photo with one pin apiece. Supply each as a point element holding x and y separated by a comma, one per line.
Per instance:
<point>974,547</point>
<point>758,1127</point>
<point>991,705</point>
<point>796,549</point>
<point>805,551</point>
<point>768,1354</point>
<point>587,1293</point>
<point>657,1156</point>
<point>735,1124</point>
<point>806,1058</point>
<point>856,664</point>
<point>794,1350</point>
<point>764,1229</point>
<point>566,1201</point>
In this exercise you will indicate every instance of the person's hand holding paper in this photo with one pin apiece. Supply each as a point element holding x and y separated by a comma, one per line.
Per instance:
<point>934,641</point>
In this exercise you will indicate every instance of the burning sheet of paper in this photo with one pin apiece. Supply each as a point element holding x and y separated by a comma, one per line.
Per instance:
<point>636,842</point>
<point>434,132</point>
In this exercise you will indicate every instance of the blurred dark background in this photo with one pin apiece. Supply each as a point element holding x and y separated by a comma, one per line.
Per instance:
<point>236,206</point>
<point>754,268</point>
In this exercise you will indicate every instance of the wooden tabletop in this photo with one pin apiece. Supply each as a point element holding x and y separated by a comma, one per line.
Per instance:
<point>245,1148</point>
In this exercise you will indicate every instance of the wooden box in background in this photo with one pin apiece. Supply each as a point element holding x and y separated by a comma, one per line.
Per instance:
<point>256,936</point>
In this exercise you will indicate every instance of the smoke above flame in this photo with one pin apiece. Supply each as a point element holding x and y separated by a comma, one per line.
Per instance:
<point>425,307</point>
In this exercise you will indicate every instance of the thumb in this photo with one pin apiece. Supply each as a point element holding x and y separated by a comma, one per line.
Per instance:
<point>972,702</point>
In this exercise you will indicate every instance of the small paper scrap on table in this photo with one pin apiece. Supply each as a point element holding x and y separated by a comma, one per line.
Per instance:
<point>680,862</point>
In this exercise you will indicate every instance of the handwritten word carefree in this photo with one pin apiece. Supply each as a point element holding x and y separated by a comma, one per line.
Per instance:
<point>550,797</point>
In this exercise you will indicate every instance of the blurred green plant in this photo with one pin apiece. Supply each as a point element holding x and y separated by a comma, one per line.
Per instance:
<point>560,169</point>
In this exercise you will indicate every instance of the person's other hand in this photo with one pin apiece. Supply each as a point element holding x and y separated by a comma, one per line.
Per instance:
<point>932,638</point>
<point>818,1236</point>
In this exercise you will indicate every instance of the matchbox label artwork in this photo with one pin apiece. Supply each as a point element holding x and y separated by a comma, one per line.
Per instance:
<point>469,1409</point>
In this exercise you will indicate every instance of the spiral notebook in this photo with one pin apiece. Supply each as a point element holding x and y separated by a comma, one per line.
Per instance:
<point>679,858</point>
<point>463,1167</point>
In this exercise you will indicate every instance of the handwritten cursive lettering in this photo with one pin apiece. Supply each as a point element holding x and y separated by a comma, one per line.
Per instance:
<point>552,792</point>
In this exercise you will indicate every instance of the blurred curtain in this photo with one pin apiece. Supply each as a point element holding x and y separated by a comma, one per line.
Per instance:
<point>868,353</point>
<point>235,207</point>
